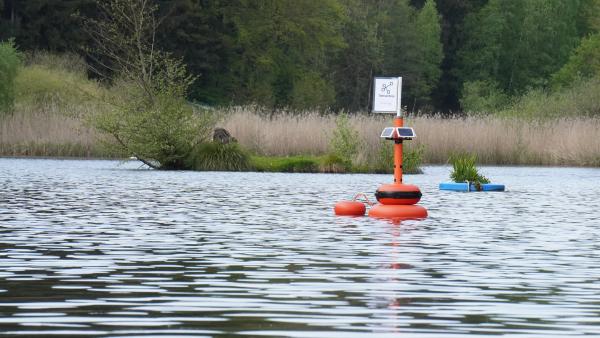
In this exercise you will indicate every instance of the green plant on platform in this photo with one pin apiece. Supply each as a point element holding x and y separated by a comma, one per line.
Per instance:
<point>465,170</point>
<point>345,141</point>
<point>215,156</point>
<point>10,61</point>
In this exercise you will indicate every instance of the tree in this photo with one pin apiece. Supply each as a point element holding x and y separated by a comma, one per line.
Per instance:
<point>588,18</point>
<point>353,67</point>
<point>584,63</point>
<point>400,44</point>
<point>430,51</point>
<point>10,60</point>
<point>453,12</point>
<point>515,45</point>
<point>200,33</point>
<point>283,48</point>
<point>45,24</point>
<point>149,117</point>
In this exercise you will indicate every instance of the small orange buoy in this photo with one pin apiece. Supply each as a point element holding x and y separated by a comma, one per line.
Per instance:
<point>398,194</point>
<point>350,208</point>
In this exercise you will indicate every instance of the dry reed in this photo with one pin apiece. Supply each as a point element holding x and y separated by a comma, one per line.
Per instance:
<point>42,131</point>
<point>568,141</point>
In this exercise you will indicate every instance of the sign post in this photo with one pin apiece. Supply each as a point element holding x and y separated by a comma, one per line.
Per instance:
<point>387,92</point>
<point>387,98</point>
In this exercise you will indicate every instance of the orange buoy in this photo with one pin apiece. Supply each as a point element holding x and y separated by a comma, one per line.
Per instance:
<point>350,208</point>
<point>396,201</point>
<point>399,212</point>
<point>398,194</point>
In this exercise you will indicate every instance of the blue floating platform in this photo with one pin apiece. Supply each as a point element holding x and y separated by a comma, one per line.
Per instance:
<point>471,187</point>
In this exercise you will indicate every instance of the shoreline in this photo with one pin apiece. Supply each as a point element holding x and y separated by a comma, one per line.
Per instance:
<point>504,165</point>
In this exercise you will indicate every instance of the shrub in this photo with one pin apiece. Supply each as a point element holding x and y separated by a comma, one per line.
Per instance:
<point>412,159</point>
<point>482,97</point>
<point>580,99</point>
<point>464,170</point>
<point>332,164</point>
<point>215,156</point>
<point>345,141</point>
<point>10,61</point>
<point>162,133</point>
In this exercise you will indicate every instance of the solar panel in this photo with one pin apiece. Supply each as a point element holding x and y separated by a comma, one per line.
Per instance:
<point>387,132</point>
<point>405,132</point>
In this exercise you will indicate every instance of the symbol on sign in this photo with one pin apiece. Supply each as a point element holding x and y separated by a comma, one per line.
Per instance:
<point>387,88</point>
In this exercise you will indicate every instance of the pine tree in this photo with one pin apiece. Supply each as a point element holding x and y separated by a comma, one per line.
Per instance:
<point>430,50</point>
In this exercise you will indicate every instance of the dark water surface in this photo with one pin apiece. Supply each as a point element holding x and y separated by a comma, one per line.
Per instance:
<point>98,248</point>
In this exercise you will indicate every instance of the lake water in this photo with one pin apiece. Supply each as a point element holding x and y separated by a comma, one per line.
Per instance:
<point>102,248</point>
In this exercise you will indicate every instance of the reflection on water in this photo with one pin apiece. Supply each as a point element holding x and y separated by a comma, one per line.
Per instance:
<point>98,248</point>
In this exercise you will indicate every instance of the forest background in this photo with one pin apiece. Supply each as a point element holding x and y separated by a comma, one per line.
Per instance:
<point>454,55</point>
<point>479,60</point>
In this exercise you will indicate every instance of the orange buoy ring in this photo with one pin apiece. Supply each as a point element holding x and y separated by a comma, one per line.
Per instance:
<point>397,211</point>
<point>350,208</point>
<point>398,194</point>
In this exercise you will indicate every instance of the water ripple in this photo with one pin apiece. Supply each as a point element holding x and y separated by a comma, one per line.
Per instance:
<point>99,248</point>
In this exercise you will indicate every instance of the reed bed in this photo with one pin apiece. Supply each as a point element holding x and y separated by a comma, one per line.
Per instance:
<point>564,141</point>
<point>45,132</point>
<point>571,141</point>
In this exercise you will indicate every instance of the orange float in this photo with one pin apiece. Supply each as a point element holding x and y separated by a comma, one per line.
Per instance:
<point>398,211</point>
<point>350,208</point>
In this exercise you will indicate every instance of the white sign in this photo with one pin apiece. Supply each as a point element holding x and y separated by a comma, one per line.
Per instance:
<point>386,94</point>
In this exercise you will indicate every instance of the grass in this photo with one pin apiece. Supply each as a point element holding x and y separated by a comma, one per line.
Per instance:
<point>214,156</point>
<point>292,164</point>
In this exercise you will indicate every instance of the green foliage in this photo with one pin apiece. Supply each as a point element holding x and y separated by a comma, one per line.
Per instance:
<point>412,160</point>
<point>50,80</point>
<point>331,163</point>
<point>292,164</point>
<point>482,96</point>
<point>161,134</point>
<point>304,54</point>
<point>464,169</point>
<point>518,44</point>
<point>383,161</point>
<point>429,33</point>
<point>345,141</point>
<point>362,56</point>
<point>588,19</point>
<point>10,62</point>
<point>583,64</point>
<point>215,156</point>
<point>283,51</point>
<point>150,118</point>
<point>45,24</point>
<point>580,99</point>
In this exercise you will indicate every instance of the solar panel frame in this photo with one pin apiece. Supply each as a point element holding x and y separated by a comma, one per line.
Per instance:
<point>401,132</point>
<point>388,132</point>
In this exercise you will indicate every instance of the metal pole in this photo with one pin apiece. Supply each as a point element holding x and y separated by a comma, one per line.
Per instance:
<point>398,122</point>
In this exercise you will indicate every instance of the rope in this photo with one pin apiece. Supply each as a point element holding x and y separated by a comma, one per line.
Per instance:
<point>365,198</point>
